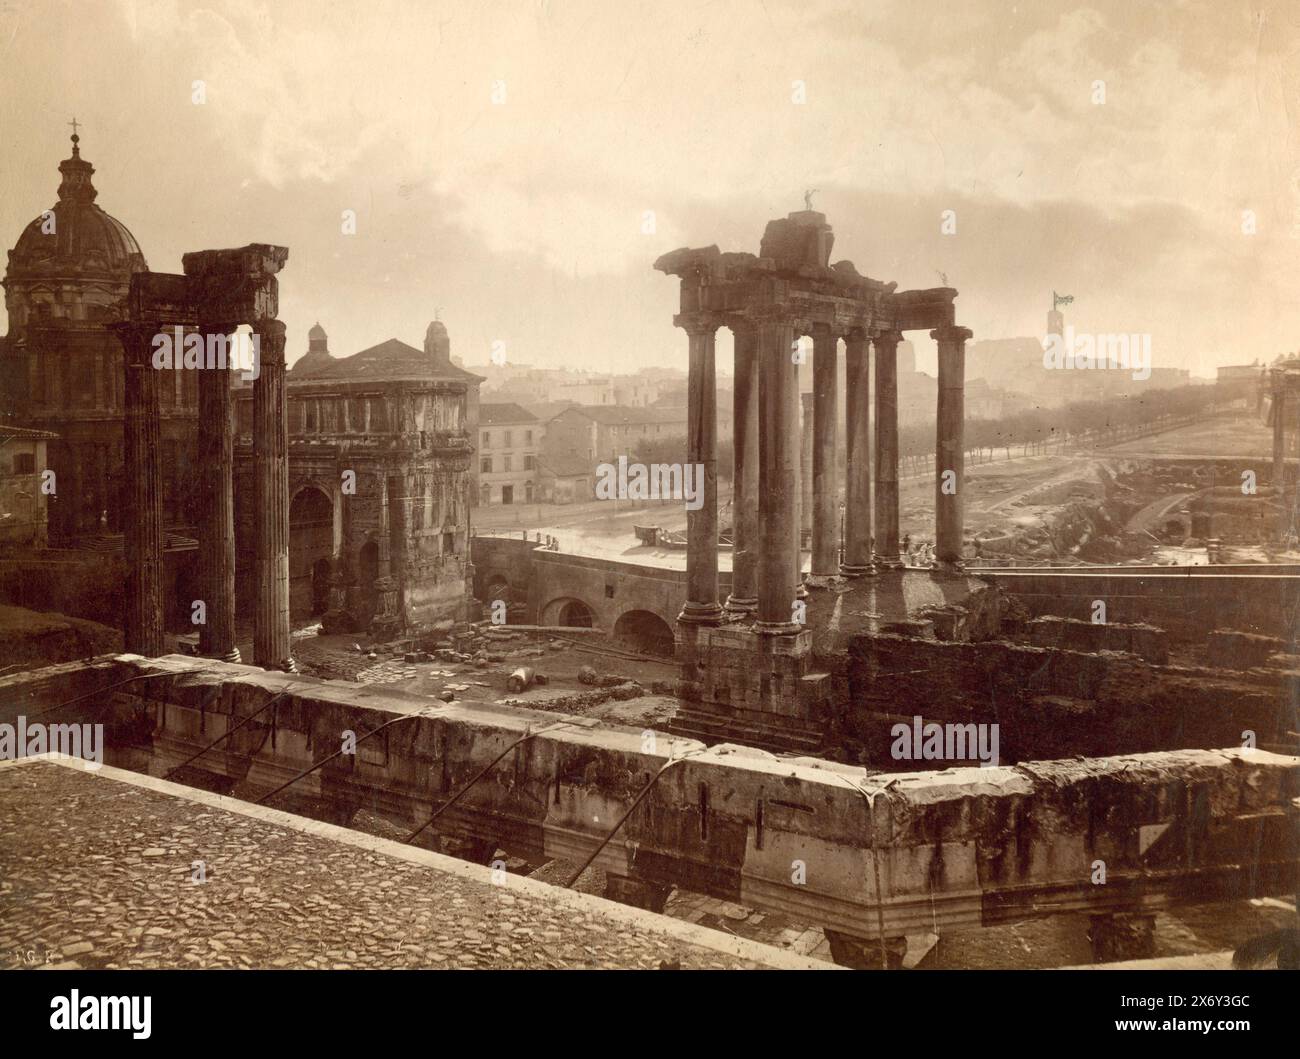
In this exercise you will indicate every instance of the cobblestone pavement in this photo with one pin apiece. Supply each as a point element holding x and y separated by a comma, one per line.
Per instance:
<point>99,872</point>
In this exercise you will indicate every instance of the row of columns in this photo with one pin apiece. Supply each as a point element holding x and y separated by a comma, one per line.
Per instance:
<point>766,573</point>
<point>145,540</point>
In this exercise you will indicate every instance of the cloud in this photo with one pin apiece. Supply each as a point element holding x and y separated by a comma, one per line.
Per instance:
<point>525,219</point>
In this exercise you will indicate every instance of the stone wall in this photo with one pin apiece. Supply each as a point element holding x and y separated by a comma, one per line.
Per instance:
<point>1053,703</point>
<point>1184,604</point>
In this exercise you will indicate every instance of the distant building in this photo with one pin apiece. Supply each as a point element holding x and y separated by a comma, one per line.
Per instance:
<point>23,510</point>
<point>526,385</point>
<point>1017,366</point>
<point>1241,380</point>
<point>581,437</point>
<point>509,441</point>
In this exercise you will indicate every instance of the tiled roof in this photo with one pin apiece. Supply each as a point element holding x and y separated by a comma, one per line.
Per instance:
<point>494,413</point>
<point>549,410</point>
<point>393,359</point>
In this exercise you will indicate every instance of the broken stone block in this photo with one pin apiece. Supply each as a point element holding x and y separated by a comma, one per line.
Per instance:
<point>520,679</point>
<point>1229,649</point>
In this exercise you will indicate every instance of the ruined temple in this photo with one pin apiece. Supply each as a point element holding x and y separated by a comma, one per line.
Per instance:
<point>750,669</point>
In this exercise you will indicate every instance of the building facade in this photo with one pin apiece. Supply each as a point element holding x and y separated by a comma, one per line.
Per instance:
<point>509,442</point>
<point>61,368</point>
<point>380,485</point>
<point>23,511</point>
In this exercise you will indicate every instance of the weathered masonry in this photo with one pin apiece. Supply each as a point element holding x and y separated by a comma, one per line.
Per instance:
<point>221,291</point>
<point>869,858</point>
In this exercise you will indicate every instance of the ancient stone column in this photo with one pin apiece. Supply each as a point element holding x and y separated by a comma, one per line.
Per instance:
<point>701,605</point>
<point>857,491</point>
<point>949,452</point>
<point>216,531</point>
<point>778,491</point>
<point>745,477</point>
<point>826,491</point>
<point>805,484</point>
<point>271,648</point>
<point>143,493</point>
<point>1279,454</point>
<point>886,512</point>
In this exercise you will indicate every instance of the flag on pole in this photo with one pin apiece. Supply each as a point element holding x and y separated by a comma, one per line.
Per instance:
<point>1061,299</point>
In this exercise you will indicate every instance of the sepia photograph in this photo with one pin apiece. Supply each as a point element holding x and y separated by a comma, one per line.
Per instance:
<point>650,485</point>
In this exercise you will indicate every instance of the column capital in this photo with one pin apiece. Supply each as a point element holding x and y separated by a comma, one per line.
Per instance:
<point>952,333</point>
<point>698,323</point>
<point>136,337</point>
<point>886,338</point>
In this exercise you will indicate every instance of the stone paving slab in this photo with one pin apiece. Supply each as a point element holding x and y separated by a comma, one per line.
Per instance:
<point>98,869</point>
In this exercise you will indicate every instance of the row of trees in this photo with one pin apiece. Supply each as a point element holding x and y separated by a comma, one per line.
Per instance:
<point>1078,424</point>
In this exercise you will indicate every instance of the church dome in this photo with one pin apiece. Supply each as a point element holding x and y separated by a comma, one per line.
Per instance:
<point>82,239</point>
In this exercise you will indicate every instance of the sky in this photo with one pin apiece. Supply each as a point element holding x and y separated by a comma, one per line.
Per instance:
<point>503,159</point>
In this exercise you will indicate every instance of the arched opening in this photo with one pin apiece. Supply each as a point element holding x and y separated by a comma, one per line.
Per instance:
<point>311,542</point>
<point>645,632</point>
<point>576,613</point>
<point>571,612</point>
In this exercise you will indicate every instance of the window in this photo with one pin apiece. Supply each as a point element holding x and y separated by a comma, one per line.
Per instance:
<point>508,460</point>
<point>529,463</point>
<point>485,494</point>
<point>485,465</point>
<point>449,544</point>
<point>507,442</point>
<point>487,439</point>
<point>528,437</point>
